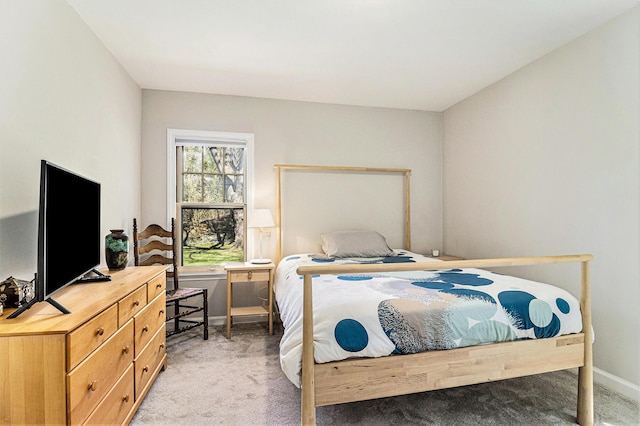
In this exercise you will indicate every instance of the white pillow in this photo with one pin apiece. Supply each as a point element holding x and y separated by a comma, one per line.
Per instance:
<point>355,244</point>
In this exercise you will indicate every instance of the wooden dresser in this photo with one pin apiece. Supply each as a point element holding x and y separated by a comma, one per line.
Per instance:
<point>92,366</point>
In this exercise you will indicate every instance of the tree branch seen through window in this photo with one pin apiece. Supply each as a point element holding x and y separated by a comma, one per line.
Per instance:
<point>212,205</point>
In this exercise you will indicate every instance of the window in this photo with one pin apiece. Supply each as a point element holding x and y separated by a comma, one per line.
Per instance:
<point>209,190</point>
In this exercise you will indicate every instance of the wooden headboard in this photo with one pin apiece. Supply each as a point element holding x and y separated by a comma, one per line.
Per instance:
<point>282,168</point>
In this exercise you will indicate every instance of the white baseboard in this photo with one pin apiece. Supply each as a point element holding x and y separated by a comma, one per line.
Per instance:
<point>217,320</point>
<point>222,319</point>
<point>616,384</point>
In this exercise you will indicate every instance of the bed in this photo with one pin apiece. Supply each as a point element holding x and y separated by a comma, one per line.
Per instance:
<point>333,363</point>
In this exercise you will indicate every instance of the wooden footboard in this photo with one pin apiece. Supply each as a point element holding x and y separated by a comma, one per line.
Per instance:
<point>362,379</point>
<point>370,378</point>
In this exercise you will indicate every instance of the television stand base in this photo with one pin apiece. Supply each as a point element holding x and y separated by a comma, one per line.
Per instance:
<point>58,306</point>
<point>32,302</point>
<point>99,276</point>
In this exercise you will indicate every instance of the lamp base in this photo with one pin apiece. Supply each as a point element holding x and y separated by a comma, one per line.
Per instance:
<point>261,261</point>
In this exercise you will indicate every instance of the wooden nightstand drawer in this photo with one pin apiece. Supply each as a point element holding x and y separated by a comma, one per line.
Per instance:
<point>149,360</point>
<point>132,304</point>
<point>82,341</point>
<point>249,276</point>
<point>148,321</point>
<point>156,286</point>
<point>90,381</point>
<point>115,407</point>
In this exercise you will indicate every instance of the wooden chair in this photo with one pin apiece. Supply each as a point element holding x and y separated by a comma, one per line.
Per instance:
<point>159,246</point>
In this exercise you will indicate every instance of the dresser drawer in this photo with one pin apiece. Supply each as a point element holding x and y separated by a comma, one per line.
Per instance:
<point>85,339</point>
<point>148,321</point>
<point>246,276</point>
<point>149,360</point>
<point>156,286</point>
<point>116,406</point>
<point>132,304</point>
<point>92,379</point>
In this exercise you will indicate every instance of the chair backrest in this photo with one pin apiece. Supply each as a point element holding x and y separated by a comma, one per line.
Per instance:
<point>155,245</point>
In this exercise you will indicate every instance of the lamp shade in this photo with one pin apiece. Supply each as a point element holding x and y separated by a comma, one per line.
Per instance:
<point>261,218</point>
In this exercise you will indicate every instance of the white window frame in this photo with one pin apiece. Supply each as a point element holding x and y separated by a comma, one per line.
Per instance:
<point>182,137</point>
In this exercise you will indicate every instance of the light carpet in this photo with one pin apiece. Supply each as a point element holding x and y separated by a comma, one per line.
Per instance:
<point>239,382</point>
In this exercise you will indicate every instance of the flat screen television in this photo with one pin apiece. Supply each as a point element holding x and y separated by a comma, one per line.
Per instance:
<point>68,233</point>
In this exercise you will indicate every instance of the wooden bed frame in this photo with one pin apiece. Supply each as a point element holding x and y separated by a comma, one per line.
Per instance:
<point>361,379</point>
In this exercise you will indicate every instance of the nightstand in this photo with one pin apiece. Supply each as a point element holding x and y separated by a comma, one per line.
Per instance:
<point>244,273</point>
<point>447,257</point>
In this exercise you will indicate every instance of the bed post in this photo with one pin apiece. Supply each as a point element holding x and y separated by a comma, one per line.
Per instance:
<point>278,215</point>
<point>585,373</point>
<point>308,385</point>
<point>407,210</point>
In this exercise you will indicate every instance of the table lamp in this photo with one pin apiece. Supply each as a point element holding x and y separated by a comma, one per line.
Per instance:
<point>261,218</point>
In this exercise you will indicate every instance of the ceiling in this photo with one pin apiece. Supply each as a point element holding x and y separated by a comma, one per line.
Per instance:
<point>410,54</point>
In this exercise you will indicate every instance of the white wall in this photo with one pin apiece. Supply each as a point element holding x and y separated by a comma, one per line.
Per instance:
<point>301,133</point>
<point>64,98</point>
<point>546,162</point>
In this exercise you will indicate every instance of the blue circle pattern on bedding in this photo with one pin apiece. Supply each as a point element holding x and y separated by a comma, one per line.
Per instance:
<point>351,335</point>
<point>445,327</point>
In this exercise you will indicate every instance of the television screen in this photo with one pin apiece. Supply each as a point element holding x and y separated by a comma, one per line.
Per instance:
<point>68,233</point>
<point>68,229</point>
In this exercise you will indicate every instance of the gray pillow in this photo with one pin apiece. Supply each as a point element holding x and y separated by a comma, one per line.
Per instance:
<point>355,244</point>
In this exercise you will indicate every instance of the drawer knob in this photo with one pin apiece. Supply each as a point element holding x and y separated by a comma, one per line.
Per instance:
<point>93,385</point>
<point>158,285</point>
<point>250,274</point>
<point>161,311</point>
<point>125,350</point>
<point>100,331</point>
<point>145,328</point>
<point>161,345</point>
<point>136,303</point>
<point>145,369</point>
<point>125,398</point>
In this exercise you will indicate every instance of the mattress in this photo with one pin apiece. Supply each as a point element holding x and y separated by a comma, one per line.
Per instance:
<point>381,314</point>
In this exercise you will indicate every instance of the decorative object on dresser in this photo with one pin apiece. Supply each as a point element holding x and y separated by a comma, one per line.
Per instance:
<point>156,245</point>
<point>261,218</point>
<point>15,292</point>
<point>116,249</point>
<point>10,293</point>
<point>92,366</point>
<point>249,272</point>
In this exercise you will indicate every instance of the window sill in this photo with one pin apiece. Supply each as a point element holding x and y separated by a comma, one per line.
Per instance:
<point>213,273</point>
